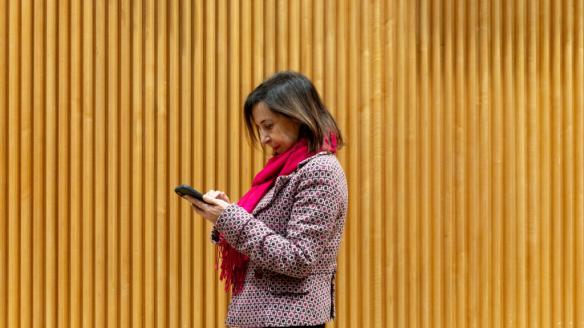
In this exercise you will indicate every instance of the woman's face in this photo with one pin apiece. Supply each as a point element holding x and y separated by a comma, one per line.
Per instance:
<point>276,130</point>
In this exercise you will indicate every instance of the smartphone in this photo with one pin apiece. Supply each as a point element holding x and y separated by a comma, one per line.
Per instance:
<point>187,190</point>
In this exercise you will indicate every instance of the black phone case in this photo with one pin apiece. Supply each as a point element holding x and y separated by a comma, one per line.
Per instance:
<point>189,191</point>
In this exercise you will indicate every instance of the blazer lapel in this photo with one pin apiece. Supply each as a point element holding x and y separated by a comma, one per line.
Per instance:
<point>281,181</point>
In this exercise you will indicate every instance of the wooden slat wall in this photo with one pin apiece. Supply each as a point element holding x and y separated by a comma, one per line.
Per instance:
<point>465,155</point>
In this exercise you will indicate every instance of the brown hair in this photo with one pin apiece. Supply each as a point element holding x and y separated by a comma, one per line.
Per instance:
<point>293,95</point>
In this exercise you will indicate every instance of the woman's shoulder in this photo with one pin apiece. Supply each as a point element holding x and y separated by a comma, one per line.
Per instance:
<point>324,169</point>
<point>323,161</point>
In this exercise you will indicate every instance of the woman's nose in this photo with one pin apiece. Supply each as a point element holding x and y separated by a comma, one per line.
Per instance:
<point>263,136</point>
<point>265,139</point>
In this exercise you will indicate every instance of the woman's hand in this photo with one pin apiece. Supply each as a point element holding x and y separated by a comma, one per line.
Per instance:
<point>214,204</point>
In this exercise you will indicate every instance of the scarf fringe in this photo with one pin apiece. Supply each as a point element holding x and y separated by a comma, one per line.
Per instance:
<point>233,266</point>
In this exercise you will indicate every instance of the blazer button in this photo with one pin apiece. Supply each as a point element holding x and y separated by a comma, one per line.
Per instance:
<point>258,274</point>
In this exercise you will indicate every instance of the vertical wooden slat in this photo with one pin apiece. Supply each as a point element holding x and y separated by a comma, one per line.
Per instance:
<point>38,158</point>
<point>436,176</point>
<point>461,113</point>
<point>556,166</point>
<point>282,16</point>
<point>391,169</point>
<point>498,168</point>
<point>101,132</point>
<point>317,54</point>
<point>510,170</point>
<point>149,176</point>
<point>401,90</point>
<point>486,164</point>
<point>269,37</point>
<point>63,161</point>
<point>160,143</point>
<point>4,151</point>
<point>546,167</point>
<point>473,178</point>
<point>125,235</point>
<point>295,35</point>
<point>137,165</point>
<point>533,172</point>
<point>51,167</point>
<point>90,111</point>
<point>14,153</point>
<point>306,36</point>
<point>76,170</point>
<point>412,163</point>
<point>579,159</point>
<point>329,56</point>
<point>365,167</point>
<point>186,155</point>
<point>112,167</point>
<point>376,159</point>
<point>520,114</point>
<point>174,167</point>
<point>449,164</point>
<point>88,192</point>
<point>567,122</point>
<point>26,101</point>
<point>424,199</point>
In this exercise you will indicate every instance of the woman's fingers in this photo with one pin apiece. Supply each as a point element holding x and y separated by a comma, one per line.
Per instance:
<point>223,196</point>
<point>209,201</point>
<point>211,208</point>
<point>198,204</point>
<point>216,201</point>
<point>212,193</point>
<point>216,194</point>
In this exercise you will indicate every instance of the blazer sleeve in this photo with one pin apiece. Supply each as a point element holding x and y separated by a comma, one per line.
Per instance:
<point>315,208</point>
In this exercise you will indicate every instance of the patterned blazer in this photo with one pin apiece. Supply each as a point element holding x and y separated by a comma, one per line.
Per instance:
<point>292,239</point>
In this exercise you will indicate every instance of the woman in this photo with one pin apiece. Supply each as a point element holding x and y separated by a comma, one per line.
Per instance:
<point>279,243</point>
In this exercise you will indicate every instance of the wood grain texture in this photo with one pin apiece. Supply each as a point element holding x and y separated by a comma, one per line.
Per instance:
<point>464,123</point>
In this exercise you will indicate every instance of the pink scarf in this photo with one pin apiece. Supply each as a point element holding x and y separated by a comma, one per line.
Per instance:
<point>233,263</point>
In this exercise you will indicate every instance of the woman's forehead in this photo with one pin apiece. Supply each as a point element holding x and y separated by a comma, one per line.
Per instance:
<point>262,112</point>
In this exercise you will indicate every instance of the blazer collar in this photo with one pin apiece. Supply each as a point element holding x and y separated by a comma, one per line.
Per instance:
<point>281,181</point>
<point>322,153</point>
